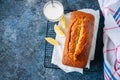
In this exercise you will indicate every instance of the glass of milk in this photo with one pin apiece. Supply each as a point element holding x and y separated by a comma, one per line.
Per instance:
<point>53,12</point>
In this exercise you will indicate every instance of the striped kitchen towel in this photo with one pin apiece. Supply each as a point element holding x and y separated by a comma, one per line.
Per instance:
<point>111,38</point>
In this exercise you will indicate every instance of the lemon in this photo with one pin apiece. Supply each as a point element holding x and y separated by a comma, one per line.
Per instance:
<point>52,41</point>
<point>58,30</point>
<point>62,21</point>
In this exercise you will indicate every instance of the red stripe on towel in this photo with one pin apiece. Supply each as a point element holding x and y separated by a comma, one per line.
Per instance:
<point>117,54</point>
<point>106,78</point>
<point>118,21</point>
<point>111,28</point>
<point>109,50</point>
<point>111,10</point>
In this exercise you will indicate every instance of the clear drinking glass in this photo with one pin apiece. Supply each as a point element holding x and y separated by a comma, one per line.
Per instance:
<point>53,12</point>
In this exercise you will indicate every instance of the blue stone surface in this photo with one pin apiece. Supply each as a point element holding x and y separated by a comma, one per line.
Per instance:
<point>23,28</point>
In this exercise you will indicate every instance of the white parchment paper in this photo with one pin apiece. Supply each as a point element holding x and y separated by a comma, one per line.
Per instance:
<point>58,50</point>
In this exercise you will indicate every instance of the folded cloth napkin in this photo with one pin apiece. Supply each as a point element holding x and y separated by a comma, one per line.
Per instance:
<point>111,38</point>
<point>58,50</point>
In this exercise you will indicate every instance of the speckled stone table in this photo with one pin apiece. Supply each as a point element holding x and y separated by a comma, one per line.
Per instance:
<point>23,49</point>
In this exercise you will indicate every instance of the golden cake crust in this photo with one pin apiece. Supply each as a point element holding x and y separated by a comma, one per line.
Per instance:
<point>78,39</point>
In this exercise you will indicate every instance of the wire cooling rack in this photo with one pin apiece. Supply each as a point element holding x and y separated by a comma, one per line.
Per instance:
<point>48,47</point>
<point>95,65</point>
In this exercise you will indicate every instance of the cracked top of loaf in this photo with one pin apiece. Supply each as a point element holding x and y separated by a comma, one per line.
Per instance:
<point>78,39</point>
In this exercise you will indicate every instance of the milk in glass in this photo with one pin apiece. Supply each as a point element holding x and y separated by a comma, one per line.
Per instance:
<point>53,12</point>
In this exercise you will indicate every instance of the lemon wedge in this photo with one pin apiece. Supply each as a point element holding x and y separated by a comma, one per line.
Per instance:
<point>52,41</point>
<point>62,21</point>
<point>58,30</point>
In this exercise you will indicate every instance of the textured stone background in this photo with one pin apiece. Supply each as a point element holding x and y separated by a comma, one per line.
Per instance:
<point>22,31</point>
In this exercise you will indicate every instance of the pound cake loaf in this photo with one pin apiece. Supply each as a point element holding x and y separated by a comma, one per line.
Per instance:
<point>78,39</point>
